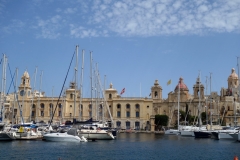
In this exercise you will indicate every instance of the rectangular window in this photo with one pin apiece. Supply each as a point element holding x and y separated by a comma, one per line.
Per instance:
<point>42,113</point>
<point>118,114</point>
<point>128,114</point>
<point>33,113</point>
<point>137,114</point>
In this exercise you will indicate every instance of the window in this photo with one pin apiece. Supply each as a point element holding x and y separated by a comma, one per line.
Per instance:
<point>70,105</point>
<point>42,113</point>
<point>137,125</point>
<point>118,124</point>
<point>59,105</point>
<point>156,94</point>
<point>42,105</point>
<point>71,96</point>
<point>118,106</point>
<point>110,96</point>
<point>137,114</point>
<point>128,114</point>
<point>118,114</point>
<point>59,113</point>
<point>33,106</point>
<point>33,113</point>
<point>137,106</point>
<point>50,105</point>
<point>127,125</point>
<point>90,106</point>
<point>128,106</point>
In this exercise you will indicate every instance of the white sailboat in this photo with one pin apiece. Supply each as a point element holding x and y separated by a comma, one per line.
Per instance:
<point>175,131</point>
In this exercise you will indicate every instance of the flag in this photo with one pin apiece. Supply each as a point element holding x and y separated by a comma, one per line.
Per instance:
<point>169,82</point>
<point>123,90</point>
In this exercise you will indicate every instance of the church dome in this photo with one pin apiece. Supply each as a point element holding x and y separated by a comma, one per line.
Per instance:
<point>233,75</point>
<point>181,85</point>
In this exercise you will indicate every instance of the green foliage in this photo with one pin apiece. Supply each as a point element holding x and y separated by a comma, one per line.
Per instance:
<point>161,120</point>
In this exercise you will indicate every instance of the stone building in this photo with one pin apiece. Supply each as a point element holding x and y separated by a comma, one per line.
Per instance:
<point>124,112</point>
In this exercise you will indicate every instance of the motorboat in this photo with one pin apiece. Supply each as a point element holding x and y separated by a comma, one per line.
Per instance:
<point>70,136</point>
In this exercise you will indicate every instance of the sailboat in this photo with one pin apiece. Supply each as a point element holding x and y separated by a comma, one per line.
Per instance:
<point>175,131</point>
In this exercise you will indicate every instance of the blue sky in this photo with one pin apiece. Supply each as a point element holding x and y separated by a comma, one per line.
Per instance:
<point>134,42</point>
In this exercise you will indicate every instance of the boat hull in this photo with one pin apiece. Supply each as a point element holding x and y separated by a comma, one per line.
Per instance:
<point>172,132</point>
<point>202,134</point>
<point>60,137</point>
<point>4,136</point>
<point>96,135</point>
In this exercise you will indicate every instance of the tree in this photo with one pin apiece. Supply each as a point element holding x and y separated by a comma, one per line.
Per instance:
<point>161,120</point>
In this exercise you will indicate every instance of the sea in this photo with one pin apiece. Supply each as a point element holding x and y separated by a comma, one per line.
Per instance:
<point>127,146</point>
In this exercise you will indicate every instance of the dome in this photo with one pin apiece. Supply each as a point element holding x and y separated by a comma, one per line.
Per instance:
<point>181,85</point>
<point>233,75</point>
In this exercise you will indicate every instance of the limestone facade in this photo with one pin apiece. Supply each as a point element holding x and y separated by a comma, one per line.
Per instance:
<point>126,112</point>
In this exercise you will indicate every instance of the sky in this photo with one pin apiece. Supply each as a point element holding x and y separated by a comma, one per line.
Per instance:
<point>133,43</point>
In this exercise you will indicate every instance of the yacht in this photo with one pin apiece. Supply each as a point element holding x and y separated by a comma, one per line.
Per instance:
<point>93,133</point>
<point>225,133</point>
<point>69,136</point>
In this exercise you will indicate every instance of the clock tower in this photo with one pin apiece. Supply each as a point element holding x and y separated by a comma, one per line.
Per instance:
<point>24,87</point>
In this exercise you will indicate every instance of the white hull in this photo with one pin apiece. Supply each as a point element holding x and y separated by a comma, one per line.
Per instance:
<point>61,137</point>
<point>224,136</point>
<point>188,133</point>
<point>235,136</point>
<point>172,132</point>
<point>96,135</point>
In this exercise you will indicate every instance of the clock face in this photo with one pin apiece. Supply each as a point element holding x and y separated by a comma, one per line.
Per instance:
<point>22,93</point>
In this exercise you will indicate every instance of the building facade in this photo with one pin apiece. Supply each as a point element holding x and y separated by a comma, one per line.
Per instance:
<point>125,112</point>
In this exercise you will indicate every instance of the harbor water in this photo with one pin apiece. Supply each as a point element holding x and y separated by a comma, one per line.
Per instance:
<point>139,146</point>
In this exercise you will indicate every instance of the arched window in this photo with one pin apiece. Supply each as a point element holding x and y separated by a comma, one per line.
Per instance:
<point>118,123</point>
<point>137,125</point>
<point>33,106</point>
<point>50,105</point>
<point>137,106</point>
<point>110,96</point>
<point>59,105</point>
<point>156,94</point>
<point>118,106</point>
<point>128,106</point>
<point>128,125</point>
<point>42,105</point>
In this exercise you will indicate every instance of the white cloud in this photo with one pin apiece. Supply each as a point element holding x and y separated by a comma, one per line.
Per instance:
<point>155,17</point>
<point>50,28</point>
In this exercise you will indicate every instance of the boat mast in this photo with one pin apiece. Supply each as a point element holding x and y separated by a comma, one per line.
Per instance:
<point>178,101</point>
<point>206,100</point>
<point>211,100</point>
<point>39,107</point>
<point>15,95</point>
<point>81,83</point>
<point>2,95</point>
<point>91,81</point>
<point>75,83</point>
<point>199,103</point>
<point>35,73</point>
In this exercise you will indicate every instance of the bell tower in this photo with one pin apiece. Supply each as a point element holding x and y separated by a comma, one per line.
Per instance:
<point>25,87</point>
<point>198,89</point>
<point>156,91</point>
